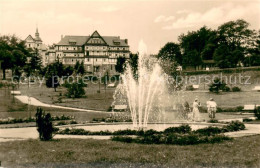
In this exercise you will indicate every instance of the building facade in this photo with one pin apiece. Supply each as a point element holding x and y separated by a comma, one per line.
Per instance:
<point>99,53</point>
<point>36,43</point>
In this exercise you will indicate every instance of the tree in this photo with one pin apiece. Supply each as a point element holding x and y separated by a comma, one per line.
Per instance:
<point>35,62</point>
<point>13,53</point>
<point>68,71</point>
<point>79,68</point>
<point>120,64</point>
<point>7,60</point>
<point>53,72</point>
<point>44,125</point>
<point>75,89</point>
<point>234,39</point>
<point>194,43</point>
<point>133,62</point>
<point>171,52</point>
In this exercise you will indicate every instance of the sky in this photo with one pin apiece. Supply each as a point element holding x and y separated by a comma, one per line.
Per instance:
<point>156,22</point>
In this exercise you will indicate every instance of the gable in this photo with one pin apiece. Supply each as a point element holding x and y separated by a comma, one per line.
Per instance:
<point>29,39</point>
<point>96,39</point>
<point>95,34</point>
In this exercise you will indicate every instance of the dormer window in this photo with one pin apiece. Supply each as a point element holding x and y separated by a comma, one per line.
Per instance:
<point>116,42</point>
<point>72,42</point>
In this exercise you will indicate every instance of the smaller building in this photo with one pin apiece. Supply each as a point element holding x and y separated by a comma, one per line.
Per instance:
<point>36,43</point>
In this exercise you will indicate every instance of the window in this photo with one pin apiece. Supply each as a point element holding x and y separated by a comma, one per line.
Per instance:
<point>111,67</point>
<point>96,59</point>
<point>67,48</point>
<point>29,45</point>
<point>88,59</point>
<point>74,48</point>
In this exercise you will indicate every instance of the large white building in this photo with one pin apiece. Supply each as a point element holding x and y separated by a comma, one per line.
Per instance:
<point>99,53</point>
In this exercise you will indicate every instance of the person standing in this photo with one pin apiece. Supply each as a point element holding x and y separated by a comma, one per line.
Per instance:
<point>195,111</point>
<point>212,108</point>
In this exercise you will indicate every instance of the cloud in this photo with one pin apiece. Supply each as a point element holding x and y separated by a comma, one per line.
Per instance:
<point>163,18</point>
<point>108,9</point>
<point>182,11</point>
<point>216,16</point>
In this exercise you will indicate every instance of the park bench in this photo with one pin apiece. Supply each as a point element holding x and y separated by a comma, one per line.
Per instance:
<point>250,107</point>
<point>16,92</point>
<point>195,86</point>
<point>111,85</point>
<point>120,108</point>
<point>257,88</point>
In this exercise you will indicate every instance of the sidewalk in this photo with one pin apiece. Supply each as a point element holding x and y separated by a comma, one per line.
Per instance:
<point>34,102</point>
<point>11,134</point>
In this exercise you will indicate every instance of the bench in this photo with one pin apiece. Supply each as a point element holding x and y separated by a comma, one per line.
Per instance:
<point>195,86</point>
<point>15,93</point>
<point>257,88</point>
<point>120,107</point>
<point>250,107</point>
<point>111,85</point>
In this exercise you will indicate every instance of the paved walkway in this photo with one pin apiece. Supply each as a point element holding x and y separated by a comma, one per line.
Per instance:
<point>11,134</point>
<point>34,102</point>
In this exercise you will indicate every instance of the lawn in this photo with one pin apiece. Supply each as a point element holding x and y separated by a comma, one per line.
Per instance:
<point>11,107</point>
<point>103,100</point>
<point>240,152</point>
<point>93,100</point>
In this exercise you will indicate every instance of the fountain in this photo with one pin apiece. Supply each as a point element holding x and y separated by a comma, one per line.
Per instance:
<point>146,92</point>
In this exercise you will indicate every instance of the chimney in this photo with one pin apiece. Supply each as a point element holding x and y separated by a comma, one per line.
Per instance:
<point>61,36</point>
<point>126,41</point>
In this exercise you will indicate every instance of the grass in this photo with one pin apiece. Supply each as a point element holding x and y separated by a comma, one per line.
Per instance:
<point>103,100</point>
<point>10,107</point>
<point>241,152</point>
<point>93,100</point>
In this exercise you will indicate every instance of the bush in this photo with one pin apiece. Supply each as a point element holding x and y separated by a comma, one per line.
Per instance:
<point>1,85</point>
<point>123,139</point>
<point>236,89</point>
<point>233,126</point>
<point>76,89</point>
<point>217,85</point>
<point>190,88</point>
<point>209,131</point>
<point>181,129</point>
<point>230,109</point>
<point>257,112</point>
<point>247,120</point>
<point>73,122</point>
<point>226,89</point>
<point>44,125</point>
<point>61,123</point>
<point>213,121</point>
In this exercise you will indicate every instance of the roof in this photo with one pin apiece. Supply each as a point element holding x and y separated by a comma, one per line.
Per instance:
<point>37,38</point>
<point>80,40</point>
<point>110,40</point>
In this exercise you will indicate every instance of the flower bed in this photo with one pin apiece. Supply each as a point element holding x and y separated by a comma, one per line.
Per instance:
<point>182,135</point>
